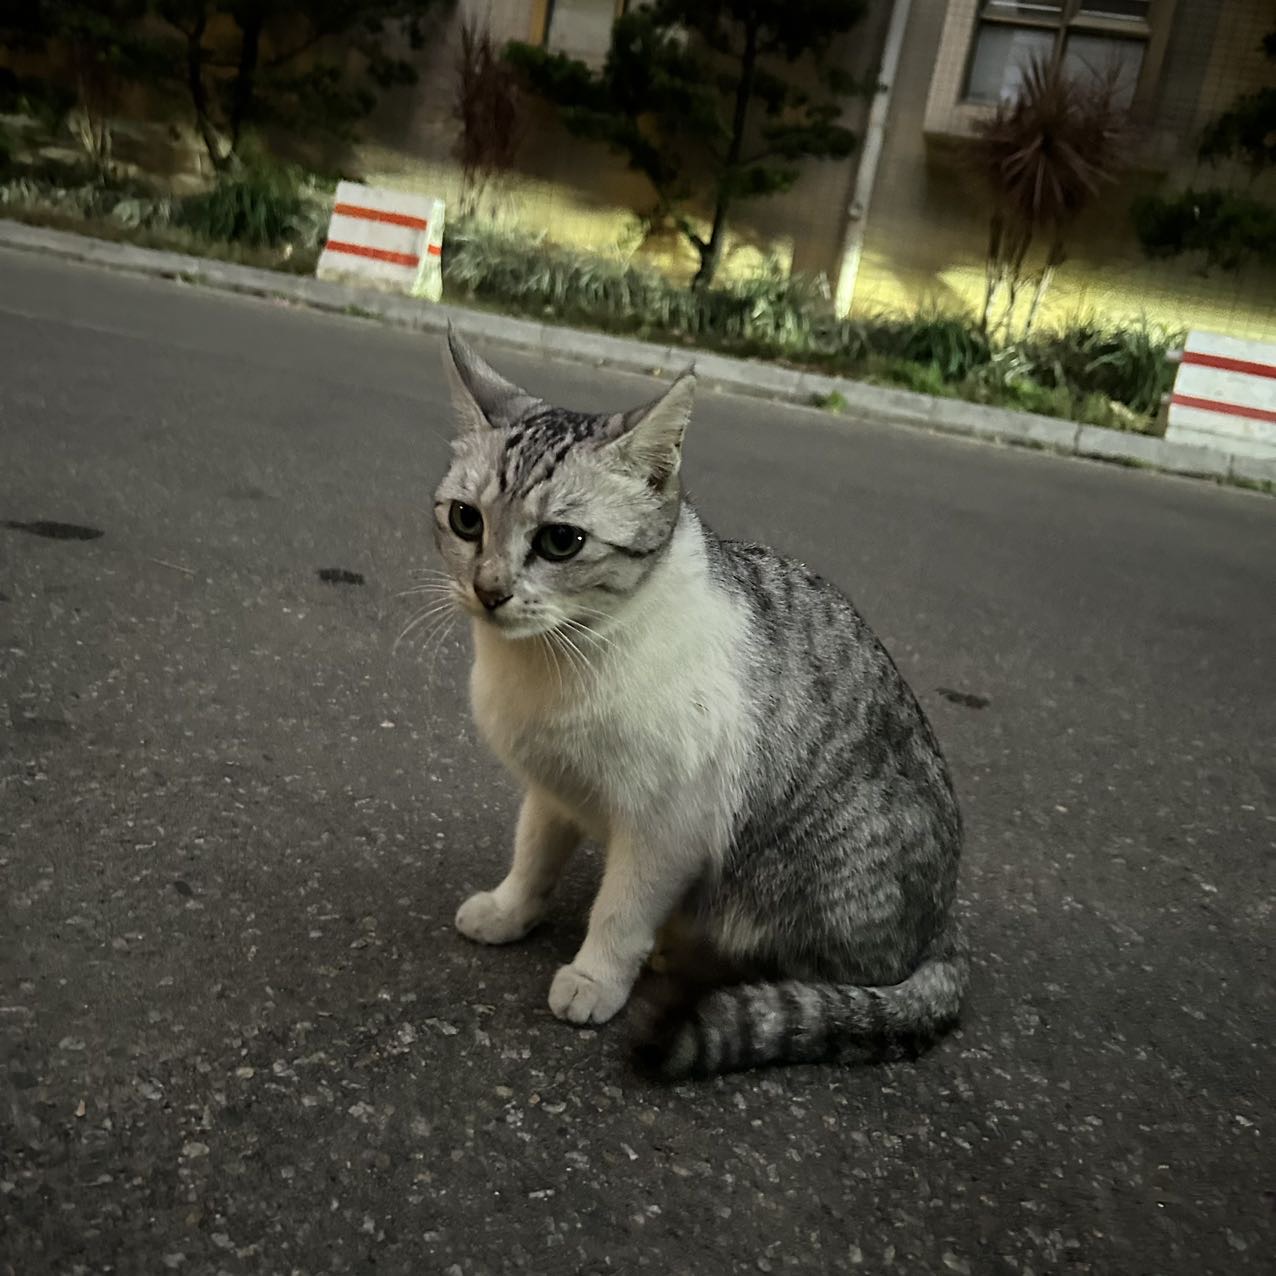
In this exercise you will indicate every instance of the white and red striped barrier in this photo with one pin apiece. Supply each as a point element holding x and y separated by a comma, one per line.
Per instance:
<point>389,239</point>
<point>1225,395</point>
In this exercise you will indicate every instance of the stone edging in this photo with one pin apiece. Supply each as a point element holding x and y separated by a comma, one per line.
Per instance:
<point>744,376</point>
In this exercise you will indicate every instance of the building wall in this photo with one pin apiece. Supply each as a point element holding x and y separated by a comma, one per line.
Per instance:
<point>927,224</point>
<point>580,193</point>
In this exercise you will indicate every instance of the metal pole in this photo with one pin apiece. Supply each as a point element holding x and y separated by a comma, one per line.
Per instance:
<point>870,155</point>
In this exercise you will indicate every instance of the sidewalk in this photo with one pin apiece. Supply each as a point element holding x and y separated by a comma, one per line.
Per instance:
<point>741,376</point>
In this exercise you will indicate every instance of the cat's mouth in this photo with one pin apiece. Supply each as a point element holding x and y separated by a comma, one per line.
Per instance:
<point>513,619</point>
<point>527,621</point>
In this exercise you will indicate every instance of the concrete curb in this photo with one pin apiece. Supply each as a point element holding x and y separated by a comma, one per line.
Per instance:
<point>742,376</point>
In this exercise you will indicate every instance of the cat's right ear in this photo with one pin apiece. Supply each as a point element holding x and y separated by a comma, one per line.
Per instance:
<point>484,400</point>
<point>651,436</point>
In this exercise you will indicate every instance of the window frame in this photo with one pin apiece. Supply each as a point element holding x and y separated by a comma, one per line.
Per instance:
<point>1150,31</point>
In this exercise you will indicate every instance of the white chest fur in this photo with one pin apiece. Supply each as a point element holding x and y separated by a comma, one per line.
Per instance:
<point>656,733</point>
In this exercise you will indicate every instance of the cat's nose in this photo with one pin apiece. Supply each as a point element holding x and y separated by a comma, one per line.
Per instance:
<point>491,598</point>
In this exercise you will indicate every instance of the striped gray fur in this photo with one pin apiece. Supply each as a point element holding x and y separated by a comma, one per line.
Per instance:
<point>834,882</point>
<point>842,869</point>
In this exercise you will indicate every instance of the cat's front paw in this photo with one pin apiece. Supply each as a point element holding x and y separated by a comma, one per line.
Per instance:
<point>579,998</point>
<point>482,919</point>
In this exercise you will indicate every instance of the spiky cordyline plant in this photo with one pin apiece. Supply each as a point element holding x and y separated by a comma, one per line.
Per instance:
<point>1045,155</point>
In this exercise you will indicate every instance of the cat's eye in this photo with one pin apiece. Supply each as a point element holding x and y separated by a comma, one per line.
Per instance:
<point>465,521</point>
<point>558,542</point>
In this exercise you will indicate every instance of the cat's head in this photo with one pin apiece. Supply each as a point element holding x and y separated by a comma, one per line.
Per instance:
<point>549,517</point>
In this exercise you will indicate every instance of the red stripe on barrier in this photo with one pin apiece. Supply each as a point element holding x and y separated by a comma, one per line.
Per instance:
<point>1226,409</point>
<point>435,250</point>
<point>376,215</point>
<point>1226,364</point>
<point>377,254</point>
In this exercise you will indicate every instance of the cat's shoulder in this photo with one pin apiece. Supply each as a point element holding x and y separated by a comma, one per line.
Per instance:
<point>761,568</point>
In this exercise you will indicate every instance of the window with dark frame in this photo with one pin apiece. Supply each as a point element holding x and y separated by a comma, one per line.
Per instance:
<point>1091,38</point>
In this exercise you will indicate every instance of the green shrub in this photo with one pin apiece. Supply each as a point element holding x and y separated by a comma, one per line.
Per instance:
<point>1126,364</point>
<point>136,212</point>
<point>1029,396</point>
<point>907,374</point>
<point>87,201</point>
<point>70,196</point>
<point>769,312</point>
<point>262,205</point>
<point>1108,375</point>
<point>948,342</point>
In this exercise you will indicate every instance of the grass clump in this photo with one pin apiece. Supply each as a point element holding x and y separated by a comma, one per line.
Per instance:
<point>262,214</point>
<point>261,205</point>
<point>536,277</point>
<point>834,401</point>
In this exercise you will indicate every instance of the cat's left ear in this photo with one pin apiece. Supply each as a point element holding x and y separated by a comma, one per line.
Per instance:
<point>651,436</point>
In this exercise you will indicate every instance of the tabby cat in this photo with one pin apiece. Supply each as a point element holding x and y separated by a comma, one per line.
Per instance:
<point>721,720</point>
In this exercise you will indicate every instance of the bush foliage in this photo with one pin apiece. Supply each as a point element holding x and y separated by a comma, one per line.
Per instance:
<point>262,205</point>
<point>1080,373</point>
<point>1233,224</point>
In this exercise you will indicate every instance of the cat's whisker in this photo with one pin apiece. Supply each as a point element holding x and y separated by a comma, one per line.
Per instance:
<point>435,621</point>
<point>581,624</point>
<point>569,655</point>
<point>437,641</point>
<point>585,632</point>
<point>614,626</point>
<point>548,640</point>
<point>430,608</point>
<point>553,647</point>
<point>441,590</point>
<point>436,638</point>
<point>584,665</point>
<point>419,619</point>
<point>590,611</point>
<point>575,646</point>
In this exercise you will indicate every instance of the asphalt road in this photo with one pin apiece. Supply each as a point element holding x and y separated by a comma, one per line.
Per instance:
<point>239,1033</point>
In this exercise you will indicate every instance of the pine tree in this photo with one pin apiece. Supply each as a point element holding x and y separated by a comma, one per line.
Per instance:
<point>701,97</point>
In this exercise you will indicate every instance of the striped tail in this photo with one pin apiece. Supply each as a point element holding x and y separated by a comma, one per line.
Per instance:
<point>752,1025</point>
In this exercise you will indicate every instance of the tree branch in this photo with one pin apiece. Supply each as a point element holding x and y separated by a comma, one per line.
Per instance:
<point>318,34</point>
